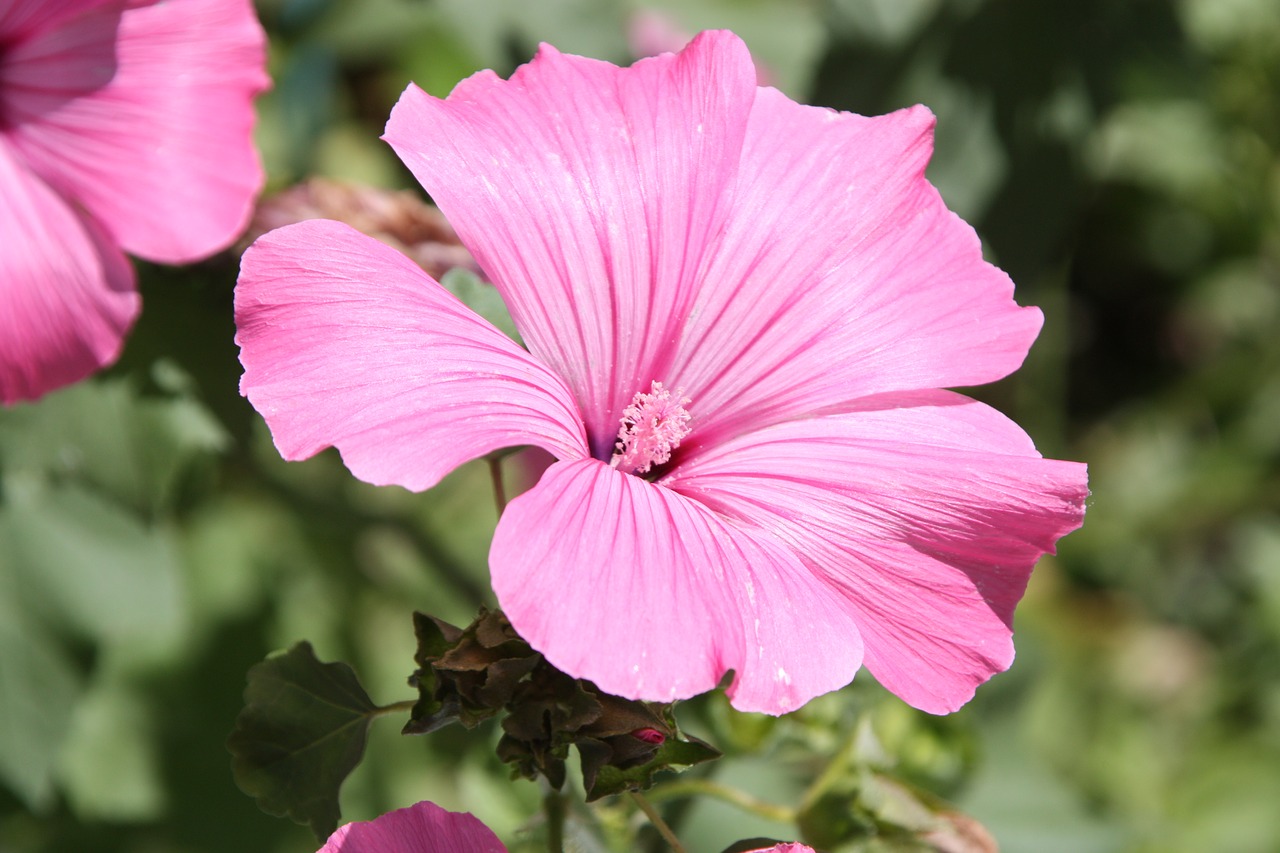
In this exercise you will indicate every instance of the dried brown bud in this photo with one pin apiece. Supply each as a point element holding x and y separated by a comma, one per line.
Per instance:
<point>396,217</point>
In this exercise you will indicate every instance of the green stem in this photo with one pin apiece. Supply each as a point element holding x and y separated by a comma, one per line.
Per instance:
<point>495,476</point>
<point>553,803</point>
<point>382,711</point>
<point>658,823</point>
<point>724,793</point>
<point>835,770</point>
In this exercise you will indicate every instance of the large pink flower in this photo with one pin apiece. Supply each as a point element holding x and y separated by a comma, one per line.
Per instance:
<point>125,126</point>
<point>738,311</point>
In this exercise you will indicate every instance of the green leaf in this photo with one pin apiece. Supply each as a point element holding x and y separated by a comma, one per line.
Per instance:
<point>38,689</point>
<point>107,435</point>
<point>78,562</point>
<point>481,297</point>
<point>466,675</point>
<point>91,568</point>
<point>110,765</point>
<point>474,673</point>
<point>302,730</point>
<point>747,845</point>
<point>678,751</point>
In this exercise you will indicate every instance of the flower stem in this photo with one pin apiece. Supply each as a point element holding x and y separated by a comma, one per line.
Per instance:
<point>658,823</point>
<point>833,772</point>
<point>495,476</point>
<point>553,803</point>
<point>383,710</point>
<point>724,793</point>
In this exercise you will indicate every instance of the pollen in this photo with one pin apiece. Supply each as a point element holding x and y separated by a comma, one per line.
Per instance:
<point>652,426</point>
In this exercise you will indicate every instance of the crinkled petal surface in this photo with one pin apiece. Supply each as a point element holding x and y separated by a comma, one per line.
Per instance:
<point>346,342</point>
<point>674,222</point>
<point>591,195</point>
<point>925,512</point>
<point>66,292</point>
<point>422,828</point>
<point>161,153</point>
<point>840,274</point>
<point>651,595</point>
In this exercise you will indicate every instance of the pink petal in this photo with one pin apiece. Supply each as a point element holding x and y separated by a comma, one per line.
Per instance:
<point>346,342</point>
<point>925,511</point>
<point>652,596</point>
<point>55,52</point>
<point>163,154</point>
<point>23,19</point>
<point>66,293</point>
<point>841,274</point>
<point>589,194</point>
<point>638,234</point>
<point>786,847</point>
<point>422,828</point>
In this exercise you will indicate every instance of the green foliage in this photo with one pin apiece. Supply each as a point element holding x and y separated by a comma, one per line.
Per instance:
<point>38,688</point>
<point>136,449</point>
<point>87,564</point>
<point>110,762</point>
<point>486,670</point>
<point>466,675</point>
<point>302,730</point>
<point>482,298</point>
<point>614,777</point>
<point>1118,159</point>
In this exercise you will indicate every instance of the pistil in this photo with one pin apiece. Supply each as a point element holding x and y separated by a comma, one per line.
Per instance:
<point>652,426</point>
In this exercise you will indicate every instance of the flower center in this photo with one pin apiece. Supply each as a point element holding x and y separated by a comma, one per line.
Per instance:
<point>652,426</point>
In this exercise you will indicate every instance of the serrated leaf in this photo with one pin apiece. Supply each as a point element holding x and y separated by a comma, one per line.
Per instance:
<point>302,731</point>
<point>676,752</point>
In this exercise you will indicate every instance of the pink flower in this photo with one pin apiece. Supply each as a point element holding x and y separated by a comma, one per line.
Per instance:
<point>421,828</point>
<point>650,32</point>
<point>738,312</point>
<point>427,828</point>
<point>125,126</point>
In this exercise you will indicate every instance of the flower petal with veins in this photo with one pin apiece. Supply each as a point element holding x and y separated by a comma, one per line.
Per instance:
<point>803,500</point>
<point>125,126</point>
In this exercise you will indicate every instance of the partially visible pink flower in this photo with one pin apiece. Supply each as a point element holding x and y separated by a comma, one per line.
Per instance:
<point>739,312</point>
<point>125,126</point>
<point>427,828</point>
<point>421,828</point>
<point>651,32</point>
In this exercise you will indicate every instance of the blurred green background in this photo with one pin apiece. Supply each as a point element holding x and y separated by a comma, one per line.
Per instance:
<point>1118,158</point>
